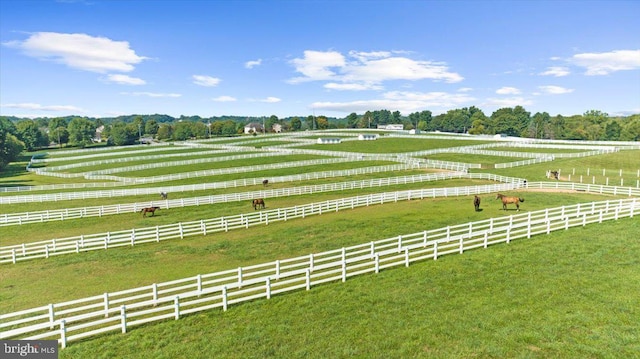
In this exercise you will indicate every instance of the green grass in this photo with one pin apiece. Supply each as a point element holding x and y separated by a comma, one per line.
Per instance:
<point>394,145</point>
<point>571,294</point>
<point>556,296</point>
<point>125,267</point>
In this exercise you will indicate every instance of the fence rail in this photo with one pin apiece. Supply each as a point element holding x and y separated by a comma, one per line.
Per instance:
<point>119,311</point>
<point>131,237</point>
<point>105,210</point>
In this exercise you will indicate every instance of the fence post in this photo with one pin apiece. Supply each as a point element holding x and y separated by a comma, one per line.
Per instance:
<point>240,277</point>
<point>51,316</point>
<point>106,304</point>
<point>224,298</point>
<point>268,287</point>
<point>181,230</point>
<point>176,304</point>
<point>373,249</point>
<point>123,318</point>
<point>307,275</point>
<point>486,239</point>
<point>63,333</point>
<point>133,237</point>
<point>13,256</point>
<point>377,262</point>
<point>406,257</point>
<point>399,243</point>
<point>311,262</point>
<point>529,225</point>
<point>344,265</point>
<point>154,293</point>
<point>157,233</point>
<point>199,283</point>
<point>203,227</point>
<point>435,250</point>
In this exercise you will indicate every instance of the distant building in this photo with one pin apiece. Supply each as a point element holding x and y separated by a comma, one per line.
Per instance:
<point>392,127</point>
<point>277,128</point>
<point>329,140</point>
<point>253,127</point>
<point>367,137</point>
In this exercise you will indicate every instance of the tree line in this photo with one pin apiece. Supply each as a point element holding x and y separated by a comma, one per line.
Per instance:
<point>20,134</point>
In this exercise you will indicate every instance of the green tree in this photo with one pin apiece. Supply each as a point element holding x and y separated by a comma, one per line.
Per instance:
<point>10,145</point>
<point>58,131</point>
<point>29,133</point>
<point>352,120</point>
<point>151,127</point>
<point>122,134</point>
<point>631,129</point>
<point>296,124</point>
<point>81,131</point>
<point>612,131</point>
<point>510,121</point>
<point>539,125</point>
<point>322,122</point>
<point>165,131</point>
<point>182,131</point>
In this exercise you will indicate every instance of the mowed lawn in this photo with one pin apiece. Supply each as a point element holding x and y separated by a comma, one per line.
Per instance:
<point>565,295</point>
<point>570,294</point>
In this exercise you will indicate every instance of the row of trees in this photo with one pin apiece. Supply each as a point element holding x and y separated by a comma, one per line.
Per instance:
<point>18,134</point>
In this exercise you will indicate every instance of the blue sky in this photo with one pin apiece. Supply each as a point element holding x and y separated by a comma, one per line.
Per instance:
<point>296,58</point>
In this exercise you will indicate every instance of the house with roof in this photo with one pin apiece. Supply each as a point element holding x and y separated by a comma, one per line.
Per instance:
<point>253,127</point>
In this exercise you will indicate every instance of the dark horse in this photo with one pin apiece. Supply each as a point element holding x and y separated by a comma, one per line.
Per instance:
<point>265,182</point>
<point>258,203</point>
<point>164,195</point>
<point>554,174</point>
<point>151,210</point>
<point>476,203</point>
<point>506,200</point>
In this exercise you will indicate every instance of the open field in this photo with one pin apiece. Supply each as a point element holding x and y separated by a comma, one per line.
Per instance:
<point>563,295</point>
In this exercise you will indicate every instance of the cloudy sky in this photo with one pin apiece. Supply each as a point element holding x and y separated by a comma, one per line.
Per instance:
<point>103,58</point>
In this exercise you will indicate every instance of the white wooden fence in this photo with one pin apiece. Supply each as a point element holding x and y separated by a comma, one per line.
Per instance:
<point>119,311</point>
<point>50,197</point>
<point>90,242</point>
<point>105,210</point>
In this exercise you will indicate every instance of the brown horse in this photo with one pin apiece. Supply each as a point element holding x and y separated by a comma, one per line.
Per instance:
<point>506,200</point>
<point>265,182</point>
<point>151,210</point>
<point>476,203</point>
<point>554,174</point>
<point>258,203</point>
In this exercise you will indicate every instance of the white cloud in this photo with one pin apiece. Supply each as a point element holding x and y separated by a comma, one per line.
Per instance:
<point>507,102</point>
<point>270,99</point>
<point>316,65</point>
<point>151,94</point>
<point>557,71</point>
<point>80,51</point>
<point>605,63</point>
<point>367,70</point>
<point>508,91</point>
<point>124,79</point>
<point>206,81</point>
<point>405,102</point>
<point>465,89</point>
<point>252,64</point>
<point>39,107</point>
<point>554,90</point>
<point>224,99</point>
<point>352,86</point>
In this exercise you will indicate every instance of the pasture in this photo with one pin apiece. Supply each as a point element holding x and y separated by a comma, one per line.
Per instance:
<point>565,294</point>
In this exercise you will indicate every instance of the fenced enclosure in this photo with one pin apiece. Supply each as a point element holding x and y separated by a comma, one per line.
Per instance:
<point>119,311</point>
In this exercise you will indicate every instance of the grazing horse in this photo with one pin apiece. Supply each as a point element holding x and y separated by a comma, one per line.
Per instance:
<point>164,195</point>
<point>476,203</point>
<point>554,174</point>
<point>506,200</point>
<point>258,203</point>
<point>265,182</point>
<point>151,210</point>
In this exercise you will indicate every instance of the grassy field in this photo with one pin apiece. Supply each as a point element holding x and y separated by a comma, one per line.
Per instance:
<point>565,295</point>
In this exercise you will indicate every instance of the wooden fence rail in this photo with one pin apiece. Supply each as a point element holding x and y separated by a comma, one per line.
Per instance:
<point>105,210</point>
<point>131,237</point>
<point>119,311</point>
